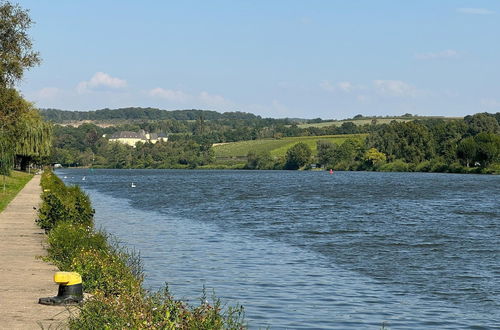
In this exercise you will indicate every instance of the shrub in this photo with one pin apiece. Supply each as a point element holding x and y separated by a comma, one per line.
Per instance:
<point>397,166</point>
<point>63,204</point>
<point>106,272</point>
<point>67,240</point>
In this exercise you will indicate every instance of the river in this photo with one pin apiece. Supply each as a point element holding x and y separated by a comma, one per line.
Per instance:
<point>313,250</point>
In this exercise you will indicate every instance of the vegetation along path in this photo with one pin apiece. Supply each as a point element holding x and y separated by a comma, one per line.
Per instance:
<point>23,277</point>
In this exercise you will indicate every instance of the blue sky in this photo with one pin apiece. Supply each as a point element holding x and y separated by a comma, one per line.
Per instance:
<point>281,58</point>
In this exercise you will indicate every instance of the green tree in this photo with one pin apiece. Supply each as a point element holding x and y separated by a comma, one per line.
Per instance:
<point>33,138</point>
<point>16,53</point>
<point>326,152</point>
<point>297,156</point>
<point>467,151</point>
<point>374,158</point>
<point>259,161</point>
<point>482,122</point>
<point>488,148</point>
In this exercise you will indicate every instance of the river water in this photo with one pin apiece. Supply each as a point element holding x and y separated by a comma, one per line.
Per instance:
<point>349,250</point>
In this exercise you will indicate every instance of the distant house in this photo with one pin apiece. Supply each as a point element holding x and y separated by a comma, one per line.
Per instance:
<point>131,138</point>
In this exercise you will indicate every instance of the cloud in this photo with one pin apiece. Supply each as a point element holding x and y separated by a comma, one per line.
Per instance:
<point>396,88</point>
<point>475,11</point>
<point>448,53</point>
<point>47,93</point>
<point>168,94</point>
<point>101,80</point>
<point>491,103</point>
<point>212,99</point>
<point>343,86</point>
<point>202,99</point>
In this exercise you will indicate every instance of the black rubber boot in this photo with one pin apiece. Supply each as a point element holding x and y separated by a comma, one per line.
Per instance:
<point>66,295</point>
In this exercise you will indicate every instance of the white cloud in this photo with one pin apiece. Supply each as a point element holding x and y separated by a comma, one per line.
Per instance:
<point>47,93</point>
<point>168,94</point>
<point>202,99</point>
<point>212,99</point>
<point>491,103</point>
<point>343,86</point>
<point>448,53</point>
<point>394,88</point>
<point>101,80</point>
<point>475,11</point>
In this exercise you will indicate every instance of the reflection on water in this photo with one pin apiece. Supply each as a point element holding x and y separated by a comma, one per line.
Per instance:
<point>314,250</point>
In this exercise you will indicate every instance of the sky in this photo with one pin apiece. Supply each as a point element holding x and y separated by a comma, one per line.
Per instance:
<point>275,58</point>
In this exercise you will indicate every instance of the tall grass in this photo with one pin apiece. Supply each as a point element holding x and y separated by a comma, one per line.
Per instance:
<point>113,275</point>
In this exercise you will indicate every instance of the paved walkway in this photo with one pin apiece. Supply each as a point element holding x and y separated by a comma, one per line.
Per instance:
<point>24,278</point>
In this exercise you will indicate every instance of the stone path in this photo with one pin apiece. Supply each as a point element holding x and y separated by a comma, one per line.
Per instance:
<point>23,277</point>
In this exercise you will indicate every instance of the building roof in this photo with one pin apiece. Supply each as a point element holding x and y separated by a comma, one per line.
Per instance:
<point>128,135</point>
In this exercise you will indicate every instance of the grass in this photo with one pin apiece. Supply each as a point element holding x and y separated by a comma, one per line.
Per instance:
<point>277,147</point>
<point>13,185</point>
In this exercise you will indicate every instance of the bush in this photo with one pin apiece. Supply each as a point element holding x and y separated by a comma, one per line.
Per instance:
<point>154,311</point>
<point>63,204</point>
<point>106,272</point>
<point>424,166</point>
<point>297,156</point>
<point>67,240</point>
<point>396,166</point>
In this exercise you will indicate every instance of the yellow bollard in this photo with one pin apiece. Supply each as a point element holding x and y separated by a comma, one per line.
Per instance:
<point>70,290</point>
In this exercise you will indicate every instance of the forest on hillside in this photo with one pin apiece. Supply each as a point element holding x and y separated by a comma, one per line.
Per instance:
<point>471,144</point>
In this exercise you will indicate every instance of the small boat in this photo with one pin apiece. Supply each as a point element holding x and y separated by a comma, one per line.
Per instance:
<point>132,185</point>
<point>83,179</point>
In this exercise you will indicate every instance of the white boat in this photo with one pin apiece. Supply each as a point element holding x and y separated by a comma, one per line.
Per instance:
<point>83,179</point>
<point>132,185</point>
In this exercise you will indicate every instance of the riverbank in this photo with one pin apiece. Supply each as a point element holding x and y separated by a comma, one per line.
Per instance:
<point>112,274</point>
<point>23,277</point>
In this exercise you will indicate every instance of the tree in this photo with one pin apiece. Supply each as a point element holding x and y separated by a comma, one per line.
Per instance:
<point>326,152</point>
<point>467,150</point>
<point>374,157</point>
<point>16,53</point>
<point>297,156</point>
<point>259,160</point>
<point>482,122</point>
<point>488,148</point>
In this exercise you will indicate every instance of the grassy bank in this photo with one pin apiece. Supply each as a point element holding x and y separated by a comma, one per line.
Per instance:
<point>112,274</point>
<point>13,184</point>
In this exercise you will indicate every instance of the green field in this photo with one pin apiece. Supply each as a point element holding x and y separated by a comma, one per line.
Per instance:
<point>277,147</point>
<point>13,184</point>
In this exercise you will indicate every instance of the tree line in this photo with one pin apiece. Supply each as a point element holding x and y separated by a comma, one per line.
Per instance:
<point>25,137</point>
<point>433,145</point>
<point>471,145</point>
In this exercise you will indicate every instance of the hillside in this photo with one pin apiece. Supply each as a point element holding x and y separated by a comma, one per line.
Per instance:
<point>367,120</point>
<point>276,147</point>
